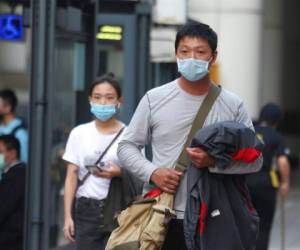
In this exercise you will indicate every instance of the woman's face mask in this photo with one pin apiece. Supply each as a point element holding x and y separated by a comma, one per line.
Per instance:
<point>104,112</point>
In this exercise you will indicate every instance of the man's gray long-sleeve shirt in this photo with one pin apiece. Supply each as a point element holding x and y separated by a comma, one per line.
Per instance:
<point>163,119</point>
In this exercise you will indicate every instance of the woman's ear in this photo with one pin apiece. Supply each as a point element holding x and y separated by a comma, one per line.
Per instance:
<point>121,99</point>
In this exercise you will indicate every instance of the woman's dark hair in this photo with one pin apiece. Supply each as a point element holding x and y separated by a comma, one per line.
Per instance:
<point>197,30</point>
<point>270,114</point>
<point>107,78</point>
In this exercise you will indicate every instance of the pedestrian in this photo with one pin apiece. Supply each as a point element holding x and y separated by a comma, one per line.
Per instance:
<point>12,194</point>
<point>10,123</point>
<point>263,185</point>
<point>94,145</point>
<point>164,117</point>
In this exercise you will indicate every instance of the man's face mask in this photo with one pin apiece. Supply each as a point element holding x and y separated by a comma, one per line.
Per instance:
<point>2,161</point>
<point>193,69</point>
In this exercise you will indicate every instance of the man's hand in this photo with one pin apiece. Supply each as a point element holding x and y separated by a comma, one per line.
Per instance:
<point>166,179</point>
<point>200,158</point>
<point>284,188</point>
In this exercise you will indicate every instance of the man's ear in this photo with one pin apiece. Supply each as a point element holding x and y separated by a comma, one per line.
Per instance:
<point>12,155</point>
<point>214,57</point>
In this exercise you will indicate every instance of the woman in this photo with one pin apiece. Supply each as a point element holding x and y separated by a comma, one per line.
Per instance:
<point>87,143</point>
<point>262,186</point>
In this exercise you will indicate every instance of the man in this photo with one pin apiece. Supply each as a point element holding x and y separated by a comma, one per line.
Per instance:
<point>12,193</point>
<point>10,124</point>
<point>263,185</point>
<point>164,118</point>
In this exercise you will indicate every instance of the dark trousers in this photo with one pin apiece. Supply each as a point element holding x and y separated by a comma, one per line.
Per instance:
<point>175,236</point>
<point>89,223</point>
<point>264,201</point>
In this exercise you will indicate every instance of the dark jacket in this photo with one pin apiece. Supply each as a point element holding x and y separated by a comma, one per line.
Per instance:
<point>12,198</point>
<point>219,213</point>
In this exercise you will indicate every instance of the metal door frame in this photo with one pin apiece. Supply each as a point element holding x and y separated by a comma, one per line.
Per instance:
<point>128,22</point>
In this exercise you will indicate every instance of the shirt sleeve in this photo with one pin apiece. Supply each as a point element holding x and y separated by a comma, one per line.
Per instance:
<point>281,149</point>
<point>71,152</point>
<point>239,167</point>
<point>135,138</point>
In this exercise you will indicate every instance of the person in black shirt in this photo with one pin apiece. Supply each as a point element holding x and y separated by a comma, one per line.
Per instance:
<point>12,193</point>
<point>263,185</point>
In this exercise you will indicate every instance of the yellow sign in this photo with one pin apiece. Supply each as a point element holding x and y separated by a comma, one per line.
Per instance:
<point>110,33</point>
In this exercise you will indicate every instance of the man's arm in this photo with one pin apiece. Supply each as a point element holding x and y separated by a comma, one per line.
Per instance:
<point>201,159</point>
<point>136,136</point>
<point>284,170</point>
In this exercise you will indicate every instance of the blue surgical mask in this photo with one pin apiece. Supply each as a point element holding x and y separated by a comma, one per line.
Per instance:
<point>104,112</point>
<point>2,161</point>
<point>193,69</point>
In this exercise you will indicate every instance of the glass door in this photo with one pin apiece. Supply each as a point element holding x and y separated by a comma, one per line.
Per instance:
<point>116,53</point>
<point>69,68</point>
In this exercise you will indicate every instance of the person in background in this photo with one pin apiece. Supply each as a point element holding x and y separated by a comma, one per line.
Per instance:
<point>86,144</point>
<point>12,194</point>
<point>10,123</point>
<point>263,185</point>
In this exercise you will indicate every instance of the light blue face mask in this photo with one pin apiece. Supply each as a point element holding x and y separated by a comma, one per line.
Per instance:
<point>193,69</point>
<point>2,161</point>
<point>104,112</point>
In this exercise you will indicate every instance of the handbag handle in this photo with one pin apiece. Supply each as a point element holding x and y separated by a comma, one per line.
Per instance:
<point>103,154</point>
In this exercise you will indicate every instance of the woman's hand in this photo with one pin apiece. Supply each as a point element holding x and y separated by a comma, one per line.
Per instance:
<point>69,229</point>
<point>111,171</point>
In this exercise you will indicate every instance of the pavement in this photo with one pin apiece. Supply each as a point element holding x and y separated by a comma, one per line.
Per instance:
<point>291,218</point>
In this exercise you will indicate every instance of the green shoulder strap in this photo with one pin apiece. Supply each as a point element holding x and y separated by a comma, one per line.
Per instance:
<point>197,124</point>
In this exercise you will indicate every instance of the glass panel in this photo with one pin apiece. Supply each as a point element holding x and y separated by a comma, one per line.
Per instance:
<point>111,59</point>
<point>63,121</point>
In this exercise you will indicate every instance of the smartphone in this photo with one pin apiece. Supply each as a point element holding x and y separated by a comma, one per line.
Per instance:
<point>93,169</point>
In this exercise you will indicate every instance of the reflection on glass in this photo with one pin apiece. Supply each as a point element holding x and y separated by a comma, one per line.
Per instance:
<point>111,59</point>
<point>62,121</point>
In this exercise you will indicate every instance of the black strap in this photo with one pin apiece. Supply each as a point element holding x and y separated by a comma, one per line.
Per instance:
<point>103,154</point>
<point>203,111</point>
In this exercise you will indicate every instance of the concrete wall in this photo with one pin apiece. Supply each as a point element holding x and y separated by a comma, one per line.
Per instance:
<point>239,26</point>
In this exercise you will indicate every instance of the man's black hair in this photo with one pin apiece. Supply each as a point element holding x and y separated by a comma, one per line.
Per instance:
<point>197,30</point>
<point>11,143</point>
<point>108,78</point>
<point>270,114</point>
<point>10,98</point>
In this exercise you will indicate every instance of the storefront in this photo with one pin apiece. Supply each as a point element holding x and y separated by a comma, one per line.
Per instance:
<point>72,43</point>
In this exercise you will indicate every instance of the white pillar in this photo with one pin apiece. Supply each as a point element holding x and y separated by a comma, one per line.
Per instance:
<point>239,27</point>
<point>272,57</point>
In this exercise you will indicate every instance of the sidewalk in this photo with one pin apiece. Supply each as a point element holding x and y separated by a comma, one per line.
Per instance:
<point>292,218</point>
